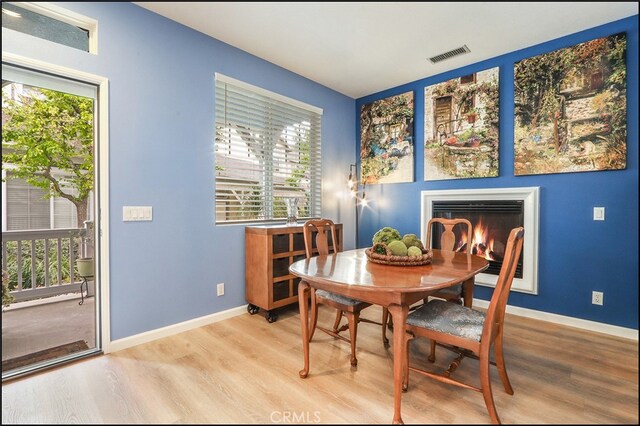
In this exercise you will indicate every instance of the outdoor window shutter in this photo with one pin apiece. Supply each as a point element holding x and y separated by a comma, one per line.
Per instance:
<point>267,148</point>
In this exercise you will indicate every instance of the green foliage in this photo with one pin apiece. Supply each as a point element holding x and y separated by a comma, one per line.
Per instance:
<point>7,298</point>
<point>386,235</point>
<point>537,83</point>
<point>279,208</point>
<point>377,167</point>
<point>12,263</point>
<point>46,131</point>
<point>538,80</point>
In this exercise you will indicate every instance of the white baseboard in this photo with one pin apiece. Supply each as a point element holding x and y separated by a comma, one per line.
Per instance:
<point>614,330</point>
<point>170,330</point>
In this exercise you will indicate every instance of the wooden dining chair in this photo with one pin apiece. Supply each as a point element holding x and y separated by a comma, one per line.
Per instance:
<point>346,306</point>
<point>469,332</point>
<point>447,242</point>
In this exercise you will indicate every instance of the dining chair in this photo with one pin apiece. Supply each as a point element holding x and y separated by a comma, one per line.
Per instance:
<point>468,332</point>
<point>447,242</point>
<point>346,306</point>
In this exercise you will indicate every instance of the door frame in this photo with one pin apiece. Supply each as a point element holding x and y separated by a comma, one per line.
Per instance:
<point>102,184</point>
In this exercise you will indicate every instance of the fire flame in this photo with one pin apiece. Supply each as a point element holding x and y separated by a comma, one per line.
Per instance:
<point>481,243</point>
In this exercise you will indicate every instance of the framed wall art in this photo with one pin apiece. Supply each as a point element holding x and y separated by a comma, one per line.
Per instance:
<point>461,122</point>
<point>386,140</point>
<point>571,109</point>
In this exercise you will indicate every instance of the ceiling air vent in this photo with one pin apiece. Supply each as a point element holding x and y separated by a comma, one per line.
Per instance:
<point>450,54</point>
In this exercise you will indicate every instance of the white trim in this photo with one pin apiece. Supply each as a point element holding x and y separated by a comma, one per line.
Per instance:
<point>531,197</point>
<point>101,215</point>
<point>102,186</point>
<point>259,90</point>
<point>170,330</point>
<point>598,327</point>
<point>4,200</point>
<point>61,14</point>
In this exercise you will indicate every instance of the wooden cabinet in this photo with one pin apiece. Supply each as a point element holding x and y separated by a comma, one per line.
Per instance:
<point>269,250</point>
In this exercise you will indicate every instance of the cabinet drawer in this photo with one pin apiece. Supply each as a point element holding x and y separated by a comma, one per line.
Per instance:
<point>281,243</point>
<point>281,267</point>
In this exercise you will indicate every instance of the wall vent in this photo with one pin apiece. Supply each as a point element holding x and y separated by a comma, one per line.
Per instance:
<point>450,54</point>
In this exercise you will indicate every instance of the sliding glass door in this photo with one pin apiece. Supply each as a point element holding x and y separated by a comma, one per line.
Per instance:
<point>50,292</point>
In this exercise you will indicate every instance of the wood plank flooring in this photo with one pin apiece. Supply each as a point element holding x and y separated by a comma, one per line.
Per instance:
<point>245,370</point>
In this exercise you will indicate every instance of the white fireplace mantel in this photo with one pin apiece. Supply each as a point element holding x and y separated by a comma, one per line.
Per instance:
<point>529,195</point>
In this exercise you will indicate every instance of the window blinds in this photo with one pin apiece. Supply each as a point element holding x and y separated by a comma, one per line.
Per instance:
<point>267,149</point>
<point>27,207</point>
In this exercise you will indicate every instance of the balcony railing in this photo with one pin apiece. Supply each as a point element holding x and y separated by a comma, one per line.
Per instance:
<point>41,263</point>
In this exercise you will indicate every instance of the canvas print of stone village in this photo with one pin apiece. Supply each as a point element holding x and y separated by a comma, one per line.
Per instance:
<point>386,140</point>
<point>461,122</point>
<point>570,109</point>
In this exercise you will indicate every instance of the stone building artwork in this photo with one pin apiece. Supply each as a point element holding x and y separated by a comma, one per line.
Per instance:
<point>461,119</point>
<point>386,140</point>
<point>570,109</point>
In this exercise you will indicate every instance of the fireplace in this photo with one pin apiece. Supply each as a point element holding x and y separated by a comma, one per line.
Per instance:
<point>492,213</point>
<point>491,222</point>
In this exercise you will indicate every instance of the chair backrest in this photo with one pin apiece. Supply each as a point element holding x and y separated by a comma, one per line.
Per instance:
<point>498,303</point>
<point>322,240</point>
<point>448,238</point>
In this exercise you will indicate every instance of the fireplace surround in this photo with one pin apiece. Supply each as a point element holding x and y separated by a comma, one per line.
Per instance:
<point>493,213</point>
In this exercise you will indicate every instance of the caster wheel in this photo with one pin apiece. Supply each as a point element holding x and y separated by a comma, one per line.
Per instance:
<point>272,317</point>
<point>252,309</point>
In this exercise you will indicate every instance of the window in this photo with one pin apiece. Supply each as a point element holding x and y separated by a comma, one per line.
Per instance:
<point>267,148</point>
<point>51,23</point>
<point>27,207</point>
<point>468,79</point>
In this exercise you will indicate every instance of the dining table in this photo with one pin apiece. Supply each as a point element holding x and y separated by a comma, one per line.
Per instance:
<point>396,287</point>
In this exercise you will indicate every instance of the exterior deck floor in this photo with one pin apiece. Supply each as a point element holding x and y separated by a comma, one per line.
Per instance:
<point>29,327</point>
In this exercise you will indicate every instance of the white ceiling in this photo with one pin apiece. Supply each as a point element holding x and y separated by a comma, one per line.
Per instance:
<point>359,48</point>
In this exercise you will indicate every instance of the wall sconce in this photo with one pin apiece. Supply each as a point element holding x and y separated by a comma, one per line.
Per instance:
<point>353,183</point>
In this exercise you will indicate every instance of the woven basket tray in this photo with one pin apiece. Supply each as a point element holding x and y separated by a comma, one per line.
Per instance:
<point>391,259</point>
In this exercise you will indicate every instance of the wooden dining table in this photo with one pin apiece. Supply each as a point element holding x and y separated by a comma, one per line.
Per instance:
<point>352,274</point>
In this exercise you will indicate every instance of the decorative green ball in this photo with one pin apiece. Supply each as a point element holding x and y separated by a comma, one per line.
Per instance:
<point>414,251</point>
<point>386,235</point>
<point>398,248</point>
<point>412,240</point>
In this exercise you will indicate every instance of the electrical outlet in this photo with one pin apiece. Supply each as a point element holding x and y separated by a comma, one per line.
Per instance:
<point>597,298</point>
<point>598,213</point>
<point>220,289</point>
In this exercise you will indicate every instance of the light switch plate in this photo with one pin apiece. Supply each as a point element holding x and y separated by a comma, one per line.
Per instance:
<point>137,213</point>
<point>598,213</point>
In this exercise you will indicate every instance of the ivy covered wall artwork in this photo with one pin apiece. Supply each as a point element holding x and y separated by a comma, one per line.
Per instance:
<point>570,109</point>
<point>386,140</point>
<point>461,121</point>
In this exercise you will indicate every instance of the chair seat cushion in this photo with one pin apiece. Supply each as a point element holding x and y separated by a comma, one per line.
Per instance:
<point>337,298</point>
<point>449,318</point>
<point>455,290</point>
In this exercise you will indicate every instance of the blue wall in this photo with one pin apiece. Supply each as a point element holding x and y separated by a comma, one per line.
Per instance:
<point>161,110</point>
<point>577,255</point>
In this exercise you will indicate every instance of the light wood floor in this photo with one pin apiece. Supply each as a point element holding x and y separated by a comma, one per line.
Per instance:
<point>245,370</point>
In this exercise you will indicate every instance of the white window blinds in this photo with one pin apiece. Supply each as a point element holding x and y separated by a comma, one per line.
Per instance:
<point>267,149</point>
<point>27,206</point>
